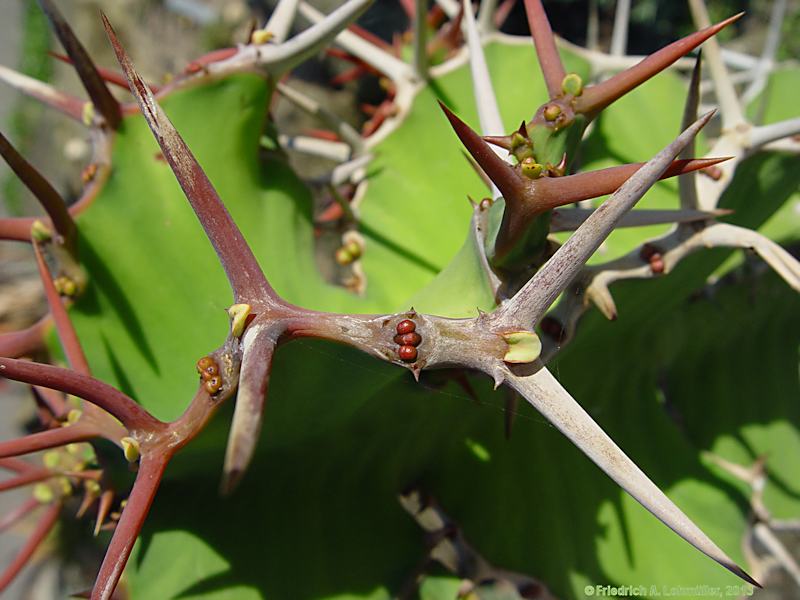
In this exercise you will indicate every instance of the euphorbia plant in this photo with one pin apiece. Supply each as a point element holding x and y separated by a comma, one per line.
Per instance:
<point>508,258</point>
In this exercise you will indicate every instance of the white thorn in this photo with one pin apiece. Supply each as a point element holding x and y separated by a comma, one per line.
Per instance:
<point>280,23</point>
<point>619,36</point>
<point>729,108</point>
<point>376,57</point>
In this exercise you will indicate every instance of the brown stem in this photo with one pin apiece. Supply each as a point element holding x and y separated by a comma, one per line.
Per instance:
<point>84,66</point>
<point>16,229</point>
<point>132,416</point>
<point>16,464</point>
<point>43,527</point>
<point>52,438</point>
<point>130,524</point>
<point>26,342</point>
<point>66,332</point>
<point>50,199</point>
<point>25,479</point>
<point>112,77</point>
<point>19,513</point>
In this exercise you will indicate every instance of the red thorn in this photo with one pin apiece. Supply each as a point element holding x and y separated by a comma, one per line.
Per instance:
<point>109,76</point>
<point>545,42</point>
<point>93,83</point>
<point>43,527</point>
<point>130,524</point>
<point>48,197</point>
<point>551,192</point>
<point>500,172</point>
<point>596,97</point>
<point>199,64</point>
<point>66,332</point>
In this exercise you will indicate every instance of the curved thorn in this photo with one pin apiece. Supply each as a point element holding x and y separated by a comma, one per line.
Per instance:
<point>535,297</point>
<point>93,83</point>
<point>538,386</point>
<point>596,97</point>
<point>546,51</point>
<point>48,197</point>
<point>64,103</point>
<point>687,186</point>
<point>43,527</point>
<point>729,107</point>
<point>130,524</point>
<point>280,23</point>
<point>732,236</point>
<point>259,345</point>
<point>132,415</point>
<point>241,267</point>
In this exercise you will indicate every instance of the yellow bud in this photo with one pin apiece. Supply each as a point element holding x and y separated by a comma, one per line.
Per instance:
<point>572,84</point>
<point>531,169</point>
<point>40,232</point>
<point>43,493</point>
<point>261,36</point>
<point>66,486</point>
<point>238,314</point>
<point>51,459</point>
<point>552,112</point>
<point>87,114</point>
<point>130,448</point>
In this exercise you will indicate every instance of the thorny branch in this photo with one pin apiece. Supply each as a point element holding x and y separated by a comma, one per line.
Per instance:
<point>501,344</point>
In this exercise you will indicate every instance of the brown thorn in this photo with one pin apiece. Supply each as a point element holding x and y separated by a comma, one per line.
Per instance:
<point>106,104</point>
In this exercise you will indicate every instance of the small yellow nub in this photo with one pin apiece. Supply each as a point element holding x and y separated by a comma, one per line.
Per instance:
<point>87,114</point>
<point>40,232</point>
<point>43,493</point>
<point>261,36</point>
<point>130,448</point>
<point>238,314</point>
<point>572,85</point>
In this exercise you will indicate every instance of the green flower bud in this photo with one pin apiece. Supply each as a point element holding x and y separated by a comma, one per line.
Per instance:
<point>523,347</point>
<point>572,85</point>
